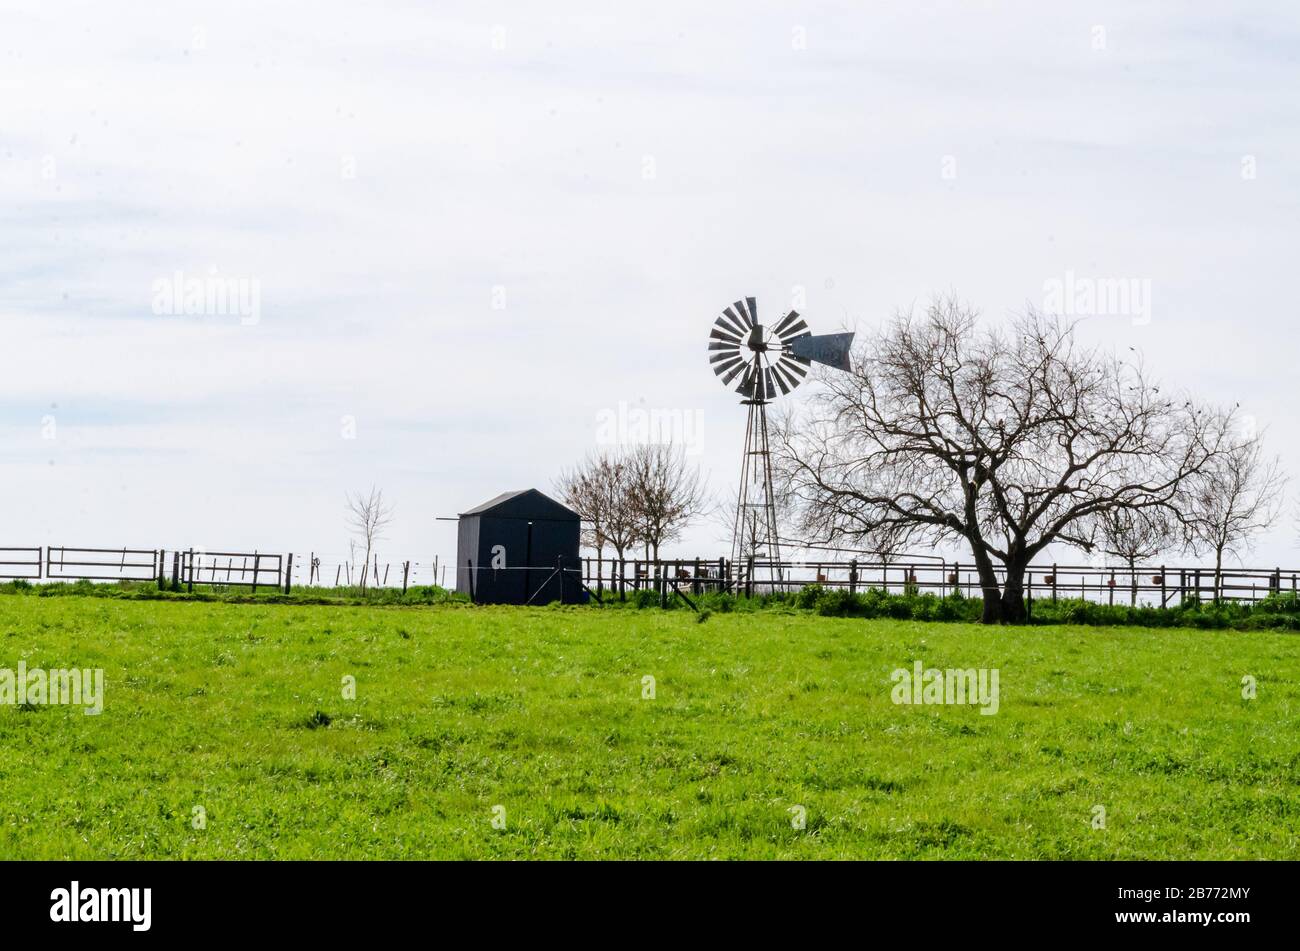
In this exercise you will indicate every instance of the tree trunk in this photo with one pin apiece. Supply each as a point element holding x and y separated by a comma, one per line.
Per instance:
<point>1133,582</point>
<point>622,581</point>
<point>1218,573</point>
<point>1013,594</point>
<point>1005,603</point>
<point>991,593</point>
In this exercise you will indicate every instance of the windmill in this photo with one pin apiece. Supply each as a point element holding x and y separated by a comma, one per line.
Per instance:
<point>765,362</point>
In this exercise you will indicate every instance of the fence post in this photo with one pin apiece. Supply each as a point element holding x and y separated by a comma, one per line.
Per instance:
<point>853,576</point>
<point>469,562</point>
<point>406,573</point>
<point>288,573</point>
<point>162,569</point>
<point>1029,596</point>
<point>257,562</point>
<point>695,585</point>
<point>749,576</point>
<point>1054,572</point>
<point>1112,588</point>
<point>559,568</point>
<point>189,572</point>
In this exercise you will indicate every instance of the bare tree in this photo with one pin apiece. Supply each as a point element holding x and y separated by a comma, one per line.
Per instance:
<point>599,489</point>
<point>1232,500</point>
<point>368,516</point>
<point>667,493</point>
<point>1007,442</point>
<point>1137,535</point>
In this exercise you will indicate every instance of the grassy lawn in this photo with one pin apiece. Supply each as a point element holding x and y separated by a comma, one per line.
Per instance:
<point>238,709</point>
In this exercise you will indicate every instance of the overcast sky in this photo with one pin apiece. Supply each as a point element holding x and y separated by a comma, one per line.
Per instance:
<point>473,228</point>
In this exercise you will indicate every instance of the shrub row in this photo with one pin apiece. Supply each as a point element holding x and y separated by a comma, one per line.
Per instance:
<point>1276,611</point>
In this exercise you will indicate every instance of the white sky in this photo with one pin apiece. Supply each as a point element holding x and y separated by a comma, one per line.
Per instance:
<point>506,145</point>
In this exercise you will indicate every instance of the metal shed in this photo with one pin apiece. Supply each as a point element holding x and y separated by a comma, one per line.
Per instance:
<point>508,549</point>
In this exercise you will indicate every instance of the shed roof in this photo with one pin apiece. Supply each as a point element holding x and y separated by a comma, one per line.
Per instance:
<point>524,503</point>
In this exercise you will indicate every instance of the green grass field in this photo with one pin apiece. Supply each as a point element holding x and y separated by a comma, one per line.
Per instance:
<point>238,709</point>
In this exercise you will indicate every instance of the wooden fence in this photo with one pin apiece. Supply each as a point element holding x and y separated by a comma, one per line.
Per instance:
<point>187,567</point>
<point>1146,584</point>
<point>167,567</point>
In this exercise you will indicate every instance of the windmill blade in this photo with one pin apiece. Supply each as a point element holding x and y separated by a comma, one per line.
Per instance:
<point>731,323</point>
<point>795,329</point>
<point>784,322</point>
<point>829,349</point>
<point>722,368</point>
<point>749,382</point>
<point>734,371</point>
<point>719,333</point>
<point>792,366</point>
<point>739,308</point>
<point>753,308</point>
<point>784,373</point>
<point>774,373</point>
<point>724,357</point>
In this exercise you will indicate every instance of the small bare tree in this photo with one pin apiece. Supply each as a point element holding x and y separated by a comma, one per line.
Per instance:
<point>368,516</point>
<point>667,494</point>
<point>1137,535</point>
<point>599,489</point>
<point>1231,501</point>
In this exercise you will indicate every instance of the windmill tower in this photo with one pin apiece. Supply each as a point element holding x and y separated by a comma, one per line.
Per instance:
<point>767,362</point>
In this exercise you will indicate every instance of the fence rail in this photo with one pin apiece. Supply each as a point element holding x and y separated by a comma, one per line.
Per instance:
<point>187,567</point>
<point>1143,584</point>
<point>14,566</point>
<point>100,564</point>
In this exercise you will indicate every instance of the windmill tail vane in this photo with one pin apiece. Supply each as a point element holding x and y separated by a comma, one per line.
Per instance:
<point>764,363</point>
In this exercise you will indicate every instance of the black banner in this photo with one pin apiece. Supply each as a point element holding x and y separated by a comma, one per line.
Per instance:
<point>141,901</point>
